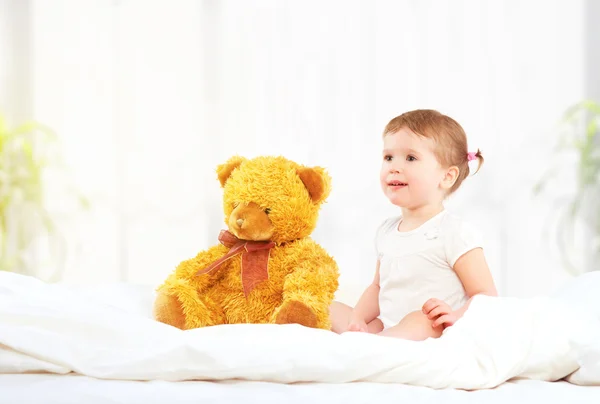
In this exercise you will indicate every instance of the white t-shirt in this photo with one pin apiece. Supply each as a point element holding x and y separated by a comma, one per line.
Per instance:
<point>416,265</point>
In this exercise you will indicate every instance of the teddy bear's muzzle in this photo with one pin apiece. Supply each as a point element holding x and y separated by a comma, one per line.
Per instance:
<point>250,222</point>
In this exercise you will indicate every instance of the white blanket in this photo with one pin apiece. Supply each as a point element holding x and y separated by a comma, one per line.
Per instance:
<point>57,329</point>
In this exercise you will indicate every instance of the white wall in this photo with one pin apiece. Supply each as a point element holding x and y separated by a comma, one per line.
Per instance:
<point>149,96</point>
<point>15,86</point>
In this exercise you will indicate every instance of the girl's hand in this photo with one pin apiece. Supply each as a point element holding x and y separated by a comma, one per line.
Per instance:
<point>357,324</point>
<point>440,313</point>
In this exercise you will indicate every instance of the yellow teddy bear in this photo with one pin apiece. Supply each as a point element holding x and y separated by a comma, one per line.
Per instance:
<point>266,268</point>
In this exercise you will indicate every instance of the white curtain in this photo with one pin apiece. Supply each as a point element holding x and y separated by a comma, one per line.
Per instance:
<point>149,96</point>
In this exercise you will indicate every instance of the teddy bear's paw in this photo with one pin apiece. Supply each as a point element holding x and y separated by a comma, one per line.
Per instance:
<point>295,312</point>
<point>168,310</point>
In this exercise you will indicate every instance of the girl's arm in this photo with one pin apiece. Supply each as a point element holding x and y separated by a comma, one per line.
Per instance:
<point>474,273</point>
<point>367,308</point>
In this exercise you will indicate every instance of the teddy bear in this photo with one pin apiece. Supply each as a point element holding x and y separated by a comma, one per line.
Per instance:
<point>265,267</point>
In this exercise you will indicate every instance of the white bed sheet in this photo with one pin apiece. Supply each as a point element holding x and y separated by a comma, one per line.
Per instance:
<point>75,389</point>
<point>36,303</point>
<point>55,329</point>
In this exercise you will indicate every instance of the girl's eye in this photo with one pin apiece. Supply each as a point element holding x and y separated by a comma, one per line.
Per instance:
<point>411,158</point>
<point>268,210</point>
<point>387,158</point>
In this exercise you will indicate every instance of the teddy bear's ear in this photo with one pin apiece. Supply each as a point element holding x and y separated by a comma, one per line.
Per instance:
<point>317,182</point>
<point>224,170</point>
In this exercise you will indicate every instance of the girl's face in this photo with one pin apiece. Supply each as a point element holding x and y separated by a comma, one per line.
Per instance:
<point>411,176</point>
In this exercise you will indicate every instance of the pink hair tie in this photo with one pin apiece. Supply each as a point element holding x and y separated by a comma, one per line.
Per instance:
<point>471,156</point>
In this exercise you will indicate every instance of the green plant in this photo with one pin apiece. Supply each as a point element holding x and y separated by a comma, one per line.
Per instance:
<point>27,153</point>
<point>579,139</point>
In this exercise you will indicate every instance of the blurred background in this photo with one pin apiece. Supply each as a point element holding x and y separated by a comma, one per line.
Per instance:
<point>115,114</point>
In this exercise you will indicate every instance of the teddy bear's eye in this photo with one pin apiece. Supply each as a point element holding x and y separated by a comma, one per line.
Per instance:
<point>267,211</point>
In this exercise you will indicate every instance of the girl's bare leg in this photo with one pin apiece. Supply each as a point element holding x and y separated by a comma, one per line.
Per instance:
<point>414,326</point>
<point>340,316</point>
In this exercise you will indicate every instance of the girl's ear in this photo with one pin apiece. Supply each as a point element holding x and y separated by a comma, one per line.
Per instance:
<point>450,177</point>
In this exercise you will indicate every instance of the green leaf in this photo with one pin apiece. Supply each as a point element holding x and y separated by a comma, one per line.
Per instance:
<point>26,152</point>
<point>578,133</point>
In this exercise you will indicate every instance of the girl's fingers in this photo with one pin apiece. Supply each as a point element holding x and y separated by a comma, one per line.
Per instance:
<point>442,320</point>
<point>436,312</point>
<point>430,305</point>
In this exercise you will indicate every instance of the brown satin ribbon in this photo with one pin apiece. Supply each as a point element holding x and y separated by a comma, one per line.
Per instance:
<point>255,259</point>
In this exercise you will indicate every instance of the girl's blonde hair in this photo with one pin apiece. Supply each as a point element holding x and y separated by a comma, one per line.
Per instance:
<point>450,139</point>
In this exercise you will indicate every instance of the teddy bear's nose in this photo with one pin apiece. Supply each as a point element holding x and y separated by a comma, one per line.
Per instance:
<point>240,222</point>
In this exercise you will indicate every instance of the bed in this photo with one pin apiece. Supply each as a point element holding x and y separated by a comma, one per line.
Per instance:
<point>75,389</point>
<point>107,349</point>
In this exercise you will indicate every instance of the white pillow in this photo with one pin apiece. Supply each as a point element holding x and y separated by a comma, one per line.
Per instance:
<point>588,349</point>
<point>583,294</point>
<point>584,291</point>
<point>134,299</point>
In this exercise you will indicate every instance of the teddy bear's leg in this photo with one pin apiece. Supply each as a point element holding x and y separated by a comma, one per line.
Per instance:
<point>181,306</point>
<point>168,310</point>
<point>306,298</point>
<point>295,312</point>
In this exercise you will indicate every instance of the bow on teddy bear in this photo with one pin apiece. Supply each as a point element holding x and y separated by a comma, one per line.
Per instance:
<point>255,259</point>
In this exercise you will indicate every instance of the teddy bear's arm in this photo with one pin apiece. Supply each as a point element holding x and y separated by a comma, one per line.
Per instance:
<point>188,269</point>
<point>308,292</point>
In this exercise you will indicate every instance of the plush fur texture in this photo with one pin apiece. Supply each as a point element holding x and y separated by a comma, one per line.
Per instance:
<point>266,198</point>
